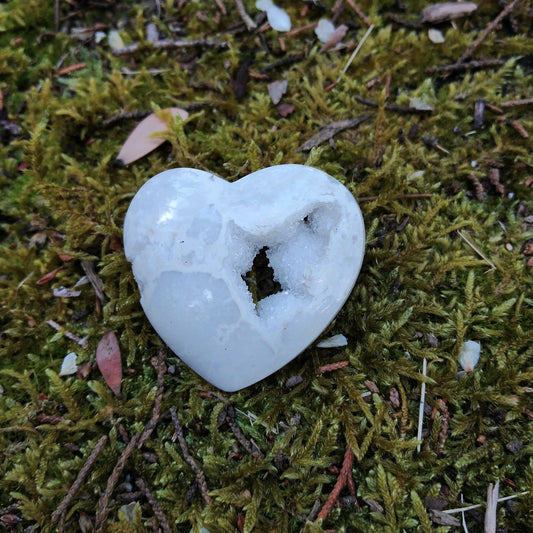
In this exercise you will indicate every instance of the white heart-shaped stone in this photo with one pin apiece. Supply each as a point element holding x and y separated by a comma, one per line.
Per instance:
<point>192,237</point>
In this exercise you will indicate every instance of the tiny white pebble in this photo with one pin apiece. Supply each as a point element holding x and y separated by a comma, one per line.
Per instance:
<point>435,36</point>
<point>68,366</point>
<point>469,356</point>
<point>333,342</point>
<point>324,29</point>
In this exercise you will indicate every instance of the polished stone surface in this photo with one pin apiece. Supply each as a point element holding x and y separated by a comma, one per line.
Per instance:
<point>192,238</point>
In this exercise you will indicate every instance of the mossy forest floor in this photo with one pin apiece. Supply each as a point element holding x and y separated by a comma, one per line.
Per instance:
<point>446,193</point>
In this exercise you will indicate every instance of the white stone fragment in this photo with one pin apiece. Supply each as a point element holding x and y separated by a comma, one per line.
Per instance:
<point>435,36</point>
<point>68,366</point>
<point>278,19</point>
<point>192,236</point>
<point>337,341</point>
<point>99,36</point>
<point>115,40</point>
<point>324,29</point>
<point>469,355</point>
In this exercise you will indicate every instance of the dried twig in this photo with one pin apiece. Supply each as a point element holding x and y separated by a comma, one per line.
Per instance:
<point>332,366</point>
<point>200,476</point>
<point>516,103</point>
<point>392,107</point>
<point>159,364</point>
<point>283,62</point>
<point>124,116</point>
<point>490,26</point>
<point>161,518</point>
<point>492,507</point>
<point>455,67</point>
<point>59,513</point>
<point>250,24</point>
<point>103,510</point>
<point>358,12</point>
<point>403,22</point>
<point>96,282</point>
<point>477,250</point>
<point>421,407</point>
<point>251,448</point>
<point>329,131</point>
<point>342,480</point>
<point>195,43</point>
<point>478,505</point>
<point>356,51</point>
<point>67,334</point>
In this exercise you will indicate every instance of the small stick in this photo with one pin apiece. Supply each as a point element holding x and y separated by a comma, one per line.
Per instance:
<point>332,366</point>
<point>397,197</point>
<point>342,480</point>
<point>478,505</point>
<point>301,29</point>
<point>159,364</point>
<point>162,519</point>
<point>124,116</point>
<point>391,107</point>
<point>485,63</point>
<point>250,24</point>
<point>445,423</point>
<point>253,450</point>
<point>202,43</point>
<point>492,507</point>
<point>356,51</point>
<point>67,334</point>
<point>421,408</point>
<point>477,250</point>
<point>71,68</point>
<point>358,12</point>
<point>515,103</point>
<point>59,513</point>
<point>103,510</point>
<point>490,26</point>
<point>200,476</point>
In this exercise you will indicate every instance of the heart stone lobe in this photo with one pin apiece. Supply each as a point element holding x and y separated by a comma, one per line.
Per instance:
<point>193,239</point>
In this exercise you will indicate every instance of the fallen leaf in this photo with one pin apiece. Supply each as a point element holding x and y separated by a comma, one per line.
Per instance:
<point>446,11</point>
<point>276,90</point>
<point>50,276</point>
<point>65,257</point>
<point>329,131</point>
<point>109,362</point>
<point>83,370</point>
<point>68,366</point>
<point>285,109</point>
<point>334,38</point>
<point>63,292</point>
<point>141,142</point>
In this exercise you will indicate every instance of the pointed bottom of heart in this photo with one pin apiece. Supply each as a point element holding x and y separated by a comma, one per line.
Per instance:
<point>192,239</point>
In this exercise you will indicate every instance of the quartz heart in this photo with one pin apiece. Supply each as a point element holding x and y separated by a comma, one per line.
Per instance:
<point>192,238</point>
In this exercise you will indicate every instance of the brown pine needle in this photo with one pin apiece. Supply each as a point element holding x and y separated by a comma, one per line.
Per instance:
<point>200,476</point>
<point>490,26</point>
<point>342,480</point>
<point>67,500</point>
<point>103,509</point>
<point>332,366</point>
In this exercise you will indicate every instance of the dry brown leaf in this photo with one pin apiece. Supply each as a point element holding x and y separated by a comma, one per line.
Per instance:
<point>335,38</point>
<point>446,11</point>
<point>140,141</point>
<point>50,276</point>
<point>109,361</point>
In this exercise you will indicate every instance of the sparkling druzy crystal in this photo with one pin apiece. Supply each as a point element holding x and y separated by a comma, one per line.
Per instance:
<point>193,240</point>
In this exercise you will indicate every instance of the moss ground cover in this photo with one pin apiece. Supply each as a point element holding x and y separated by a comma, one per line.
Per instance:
<point>446,194</point>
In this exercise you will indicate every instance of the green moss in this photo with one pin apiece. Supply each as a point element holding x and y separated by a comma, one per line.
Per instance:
<point>61,194</point>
